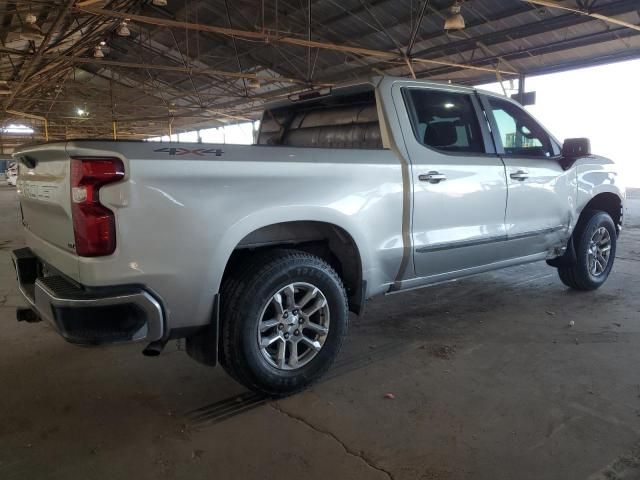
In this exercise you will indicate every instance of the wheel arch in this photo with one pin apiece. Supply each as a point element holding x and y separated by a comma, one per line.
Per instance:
<point>253,233</point>
<point>608,202</point>
<point>337,243</point>
<point>328,241</point>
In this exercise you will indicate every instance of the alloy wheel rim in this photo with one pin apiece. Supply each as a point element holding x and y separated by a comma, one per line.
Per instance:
<point>599,252</point>
<point>293,326</point>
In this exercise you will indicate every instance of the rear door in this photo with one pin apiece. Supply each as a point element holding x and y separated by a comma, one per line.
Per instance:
<point>541,192</point>
<point>459,185</point>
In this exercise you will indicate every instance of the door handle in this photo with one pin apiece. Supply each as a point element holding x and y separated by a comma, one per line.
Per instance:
<point>432,177</point>
<point>520,175</point>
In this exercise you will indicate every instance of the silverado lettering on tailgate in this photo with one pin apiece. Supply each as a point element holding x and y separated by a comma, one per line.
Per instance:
<point>37,191</point>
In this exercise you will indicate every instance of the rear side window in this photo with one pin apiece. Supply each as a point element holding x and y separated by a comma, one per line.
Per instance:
<point>337,121</point>
<point>444,120</point>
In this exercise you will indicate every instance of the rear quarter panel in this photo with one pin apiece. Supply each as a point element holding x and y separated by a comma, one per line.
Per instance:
<point>179,217</point>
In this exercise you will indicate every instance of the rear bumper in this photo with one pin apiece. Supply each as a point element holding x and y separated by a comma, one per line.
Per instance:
<point>88,316</point>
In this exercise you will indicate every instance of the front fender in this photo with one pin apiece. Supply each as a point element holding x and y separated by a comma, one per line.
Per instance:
<point>597,175</point>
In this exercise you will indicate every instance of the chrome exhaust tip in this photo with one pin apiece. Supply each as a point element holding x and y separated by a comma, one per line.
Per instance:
<point>154,348</point>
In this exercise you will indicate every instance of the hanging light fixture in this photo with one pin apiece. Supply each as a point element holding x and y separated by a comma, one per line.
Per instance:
<point>30,30</point>
<point>123,29</point>
<point>97,52</point>
<point>4,88</point>
<point>159,3</point>
<point>253,83</point>
<point>455,20</point>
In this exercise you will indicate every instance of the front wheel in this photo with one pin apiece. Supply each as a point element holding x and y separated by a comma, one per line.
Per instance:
<point>595,247</point>
<point>283,320</point>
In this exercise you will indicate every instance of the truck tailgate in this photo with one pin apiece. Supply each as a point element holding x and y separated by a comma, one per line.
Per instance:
<point>45,204</point>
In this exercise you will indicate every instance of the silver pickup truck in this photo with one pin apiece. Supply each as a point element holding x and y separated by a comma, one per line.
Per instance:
<point>256,254</point>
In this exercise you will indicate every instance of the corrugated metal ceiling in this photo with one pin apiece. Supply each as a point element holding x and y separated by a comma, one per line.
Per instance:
<point>192,77</point>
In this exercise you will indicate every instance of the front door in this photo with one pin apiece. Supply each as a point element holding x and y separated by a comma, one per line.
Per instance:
<point>459,184</point>
<point>541,192</point>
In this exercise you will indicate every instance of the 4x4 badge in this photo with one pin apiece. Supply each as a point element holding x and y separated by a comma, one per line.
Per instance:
<point>187,151</point>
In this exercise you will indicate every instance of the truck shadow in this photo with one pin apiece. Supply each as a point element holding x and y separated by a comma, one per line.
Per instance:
<point>227,408</point>
<point>437,319</point>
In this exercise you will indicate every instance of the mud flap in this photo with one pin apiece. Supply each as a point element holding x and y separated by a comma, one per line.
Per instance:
<point>568,258</point>
<point>203,346</point>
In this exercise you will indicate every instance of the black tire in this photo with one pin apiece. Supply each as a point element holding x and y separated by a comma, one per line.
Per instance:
<point>245,295</point>
<point>577,275</point>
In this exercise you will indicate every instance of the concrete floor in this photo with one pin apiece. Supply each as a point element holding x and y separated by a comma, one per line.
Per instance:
<point>489,379</point>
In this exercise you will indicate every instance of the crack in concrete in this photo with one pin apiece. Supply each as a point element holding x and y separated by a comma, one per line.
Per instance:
<point>349,451</point>
<point>625,466</point>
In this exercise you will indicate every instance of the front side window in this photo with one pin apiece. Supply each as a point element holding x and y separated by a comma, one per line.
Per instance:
<point>444,120</point>
<point>520,134</point>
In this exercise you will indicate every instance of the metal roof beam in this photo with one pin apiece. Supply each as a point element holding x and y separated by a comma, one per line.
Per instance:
<point>26,70</point>
<point>523,31</point>
<point>514,33</point>
<point>599,16</point>
<point>267,37</point>
<point>555,47</point>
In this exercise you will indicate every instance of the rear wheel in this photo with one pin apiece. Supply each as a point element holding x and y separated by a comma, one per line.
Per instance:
<point>283,321</point>
<point>595,247</point>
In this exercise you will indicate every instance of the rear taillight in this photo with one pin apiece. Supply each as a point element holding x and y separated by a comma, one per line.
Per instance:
<point>94,225</point>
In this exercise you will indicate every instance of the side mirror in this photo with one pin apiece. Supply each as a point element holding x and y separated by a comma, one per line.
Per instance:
<point>576,147</point>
